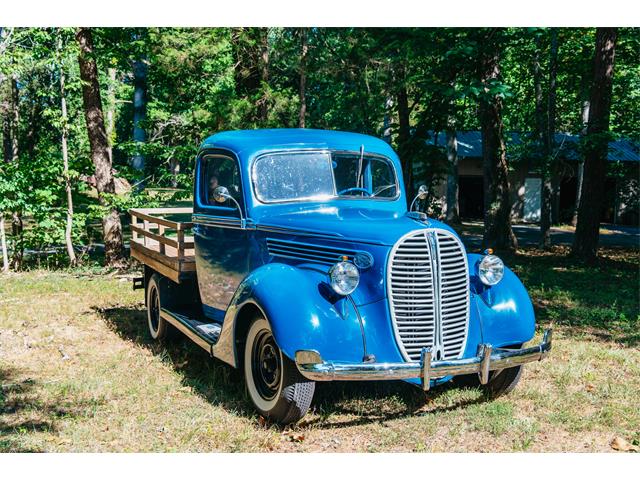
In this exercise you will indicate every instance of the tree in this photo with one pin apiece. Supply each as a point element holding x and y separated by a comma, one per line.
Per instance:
<point>65,159</point>
<point>139,107</point>
<point>550,164</point>
<point>111,225</point>
<point>304,48</point>
<point>497,206</point>
<point>585,244</point>
<point>10,111</point>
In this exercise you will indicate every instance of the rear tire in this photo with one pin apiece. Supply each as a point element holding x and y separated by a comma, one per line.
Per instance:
<point>276,387</point>
<point>158,296</point>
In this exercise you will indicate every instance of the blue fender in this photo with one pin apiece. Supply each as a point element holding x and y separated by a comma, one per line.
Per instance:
<point>504,311</point>
<point>301,310</point>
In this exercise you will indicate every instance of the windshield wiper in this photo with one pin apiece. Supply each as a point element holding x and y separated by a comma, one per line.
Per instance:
<point>360,184</point>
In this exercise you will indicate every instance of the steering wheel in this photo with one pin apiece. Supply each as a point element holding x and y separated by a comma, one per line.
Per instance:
<point>354,189</point>
<point>383,188</point>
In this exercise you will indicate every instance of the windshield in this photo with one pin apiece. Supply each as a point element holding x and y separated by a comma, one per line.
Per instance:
<point>315,175</point>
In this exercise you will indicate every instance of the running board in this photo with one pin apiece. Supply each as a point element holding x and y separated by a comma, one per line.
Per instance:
<point>201,333</point>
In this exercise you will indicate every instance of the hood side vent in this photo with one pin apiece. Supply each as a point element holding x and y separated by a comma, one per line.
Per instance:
<point>306,252</point>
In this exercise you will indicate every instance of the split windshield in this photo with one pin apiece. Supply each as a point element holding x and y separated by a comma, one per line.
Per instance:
<point>316,175</point>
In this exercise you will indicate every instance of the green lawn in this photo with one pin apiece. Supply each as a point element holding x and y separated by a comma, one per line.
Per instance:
<point>78,372</point>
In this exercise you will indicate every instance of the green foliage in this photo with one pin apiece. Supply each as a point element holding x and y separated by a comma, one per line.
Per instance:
<point>201,81</point>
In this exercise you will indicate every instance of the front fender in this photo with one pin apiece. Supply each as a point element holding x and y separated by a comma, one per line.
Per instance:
<point>504,311</point>
<point>302,313</point>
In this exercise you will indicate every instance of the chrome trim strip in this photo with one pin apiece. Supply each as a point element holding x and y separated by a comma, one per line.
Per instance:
<point>219,221</point>
<point>310,233</point>
<point>311,365</point>
<point>434,256</point>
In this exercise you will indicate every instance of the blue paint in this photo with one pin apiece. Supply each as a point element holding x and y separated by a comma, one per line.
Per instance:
<point>294,295</point>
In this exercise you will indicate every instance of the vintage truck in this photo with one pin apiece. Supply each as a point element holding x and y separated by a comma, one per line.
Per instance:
<point>300,262</point>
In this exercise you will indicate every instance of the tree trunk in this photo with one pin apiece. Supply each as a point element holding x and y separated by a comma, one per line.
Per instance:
<point>497,209</point>
<point>551,125</point>
<point>549,169</point>
<point>404,134</point>
<point>303,77</point>
<point>111,225</point>
<point>585,244</point>
<point>15,118</point>
<point>541,125</point>
<point>65,160</point>
<point>452,179</point>
<point>3,246</point>
<point>174,166</point>
<point>17,231</point>
<point>111,107</point>
<point>580,169</point>
<point>5,111</point>
<point>12,155</point>
<point>386,121</point>
<point>10,118</point>
<point>139,112</point>
<point>263,105</point>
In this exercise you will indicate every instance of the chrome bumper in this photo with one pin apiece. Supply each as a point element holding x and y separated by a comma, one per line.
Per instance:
<point>311,365</point>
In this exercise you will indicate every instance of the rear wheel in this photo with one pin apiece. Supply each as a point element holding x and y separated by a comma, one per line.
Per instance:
<point>158,296</point>
<point>276,387</point>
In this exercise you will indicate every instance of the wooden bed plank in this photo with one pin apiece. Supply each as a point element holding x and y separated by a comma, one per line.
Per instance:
<point>173,257</point>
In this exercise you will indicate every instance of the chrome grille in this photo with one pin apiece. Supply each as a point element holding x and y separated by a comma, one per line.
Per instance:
<point>428,287</point>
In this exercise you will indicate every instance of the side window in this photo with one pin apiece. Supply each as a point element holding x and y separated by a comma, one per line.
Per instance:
<point>221,171</point>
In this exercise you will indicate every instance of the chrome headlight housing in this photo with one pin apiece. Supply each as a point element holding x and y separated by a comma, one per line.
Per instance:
<point>344,277</point>
<point>490,270</point>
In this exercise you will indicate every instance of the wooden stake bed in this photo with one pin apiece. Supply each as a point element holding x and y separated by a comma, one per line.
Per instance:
<point>163,244</point>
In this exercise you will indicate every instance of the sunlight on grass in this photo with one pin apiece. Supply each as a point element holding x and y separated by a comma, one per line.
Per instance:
<point>78,372</point>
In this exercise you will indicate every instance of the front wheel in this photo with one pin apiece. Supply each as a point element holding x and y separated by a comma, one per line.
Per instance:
<point>276,387</point>
<point>500,382</point>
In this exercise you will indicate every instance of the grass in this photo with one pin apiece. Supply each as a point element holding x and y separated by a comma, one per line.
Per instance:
<point>78,372</point>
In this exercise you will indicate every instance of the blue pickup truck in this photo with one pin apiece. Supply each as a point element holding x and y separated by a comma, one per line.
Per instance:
<point>300,263</point>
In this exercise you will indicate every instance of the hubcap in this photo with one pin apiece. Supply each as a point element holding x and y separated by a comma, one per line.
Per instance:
<point>266,367</point>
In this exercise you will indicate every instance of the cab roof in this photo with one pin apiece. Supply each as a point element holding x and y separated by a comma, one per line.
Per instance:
<point>248,143</point>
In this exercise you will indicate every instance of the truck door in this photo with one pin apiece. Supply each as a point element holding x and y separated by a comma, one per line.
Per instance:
<point>221,245</point>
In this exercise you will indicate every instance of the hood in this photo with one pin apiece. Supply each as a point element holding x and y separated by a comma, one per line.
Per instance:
<point>352,224</point>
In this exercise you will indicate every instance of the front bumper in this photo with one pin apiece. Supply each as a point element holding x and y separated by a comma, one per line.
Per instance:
<point>313,367</point>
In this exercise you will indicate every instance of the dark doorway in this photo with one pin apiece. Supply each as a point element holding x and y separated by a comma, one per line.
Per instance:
<point>471,197</point>
<point>568,197</point>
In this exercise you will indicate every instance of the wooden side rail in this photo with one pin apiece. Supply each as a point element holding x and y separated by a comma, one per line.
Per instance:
<point>164,244</point>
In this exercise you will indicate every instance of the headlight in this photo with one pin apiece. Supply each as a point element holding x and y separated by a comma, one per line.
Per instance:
<point>344,277</point>
<point>490,270</point>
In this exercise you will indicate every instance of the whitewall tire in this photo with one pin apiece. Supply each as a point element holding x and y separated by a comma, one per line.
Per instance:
<point>276,387</point>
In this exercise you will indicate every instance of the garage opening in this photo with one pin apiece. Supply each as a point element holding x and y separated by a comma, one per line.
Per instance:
<point>471,197</point>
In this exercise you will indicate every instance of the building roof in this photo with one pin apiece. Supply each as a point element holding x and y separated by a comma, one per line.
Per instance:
<point>470,145</point>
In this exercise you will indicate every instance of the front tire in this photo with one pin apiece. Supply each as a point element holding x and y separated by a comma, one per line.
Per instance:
<point>276,387</point>
<point>500,382</point>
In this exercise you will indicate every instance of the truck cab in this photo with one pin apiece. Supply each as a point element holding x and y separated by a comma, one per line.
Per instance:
<point>301,263</point>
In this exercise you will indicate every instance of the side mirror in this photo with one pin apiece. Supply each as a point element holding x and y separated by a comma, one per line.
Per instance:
<point>423,191</point>
<point>221,194</point>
